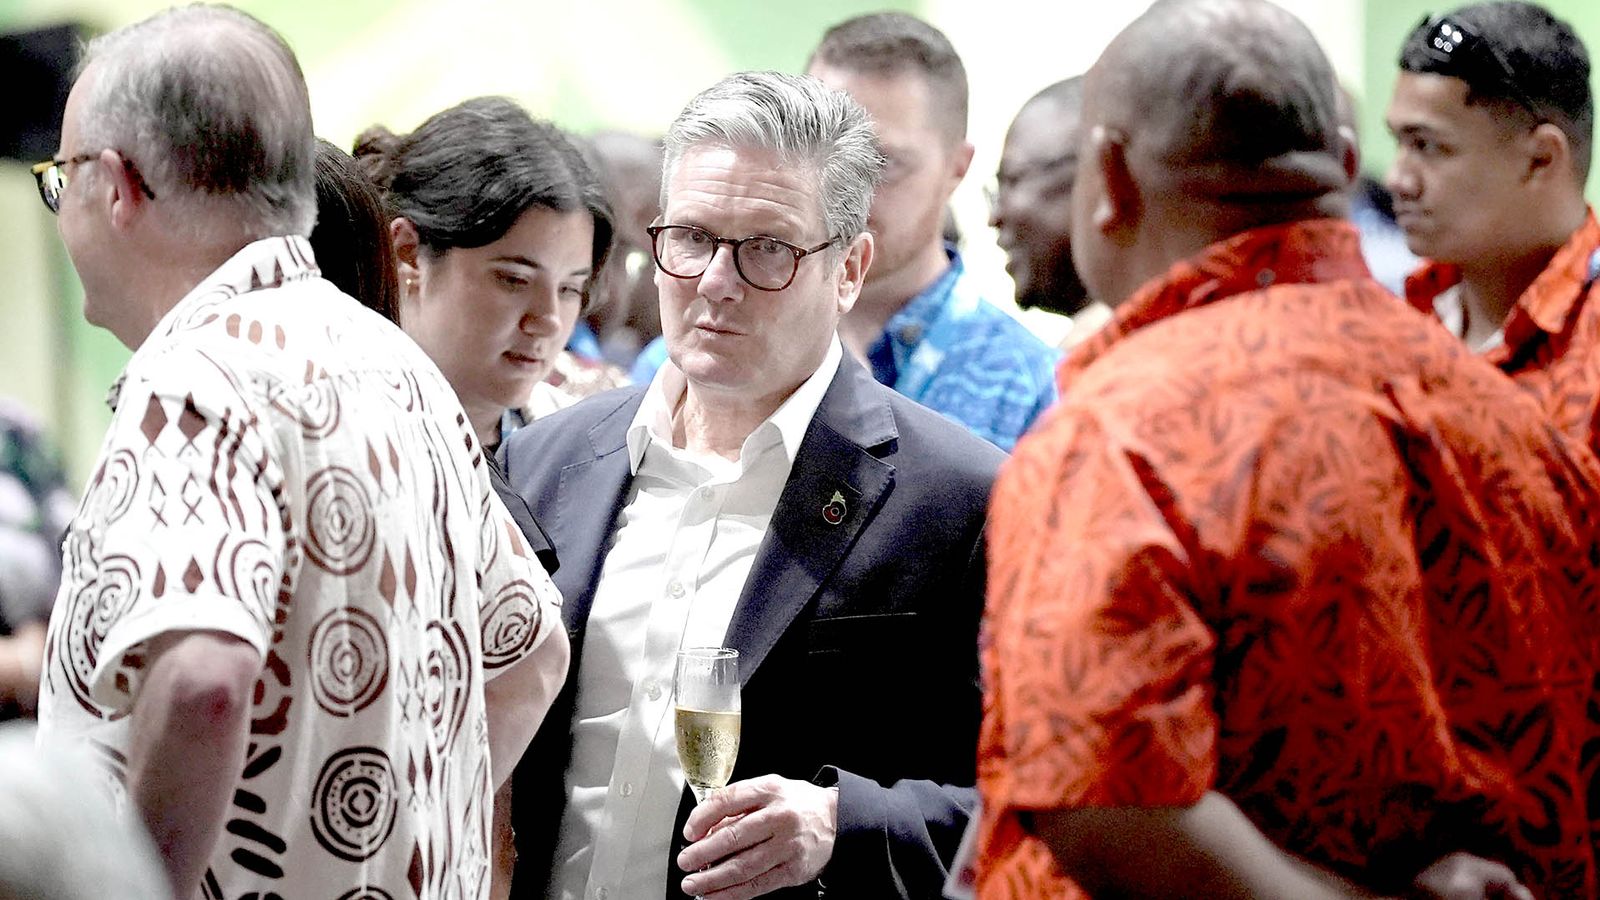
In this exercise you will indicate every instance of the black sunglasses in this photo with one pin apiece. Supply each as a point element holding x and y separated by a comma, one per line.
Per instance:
<point>1459,52</point>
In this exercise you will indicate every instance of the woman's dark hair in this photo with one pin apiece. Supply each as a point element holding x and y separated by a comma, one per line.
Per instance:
<point>351,240</point>
<point>466,175</point>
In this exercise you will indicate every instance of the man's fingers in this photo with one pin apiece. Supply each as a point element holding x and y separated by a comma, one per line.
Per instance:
<point>734,800</point>
<point>725,840</point>
<point>778,877</point>
<point>733,871</point>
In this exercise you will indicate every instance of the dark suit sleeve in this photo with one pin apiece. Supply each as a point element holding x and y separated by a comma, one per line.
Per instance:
<point>543,549</point>
<point>898,840</point>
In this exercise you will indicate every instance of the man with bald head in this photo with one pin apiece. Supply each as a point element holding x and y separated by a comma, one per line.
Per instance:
<point>1031,213</point>
<point>1290,595</point>
<point>296,628</point>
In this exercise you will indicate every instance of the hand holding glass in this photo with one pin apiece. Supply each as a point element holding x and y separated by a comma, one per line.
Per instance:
<point>705,692</point>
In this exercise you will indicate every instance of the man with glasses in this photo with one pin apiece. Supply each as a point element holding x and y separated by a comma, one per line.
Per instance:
<point>1289,595</point>
<point>921,322</point>
<point>764,493</point>
<point>1494,120</point>
<point>295,626</point>
<point>1031,212</point>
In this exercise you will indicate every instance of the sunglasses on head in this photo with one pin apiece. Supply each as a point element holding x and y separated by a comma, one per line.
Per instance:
<point>1459,52</point>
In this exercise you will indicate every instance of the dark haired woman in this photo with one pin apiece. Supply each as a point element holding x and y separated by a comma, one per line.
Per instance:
<point>351,240</point>
<point>498,228</point>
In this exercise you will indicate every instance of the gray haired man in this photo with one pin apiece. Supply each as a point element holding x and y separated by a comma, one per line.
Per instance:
<point>762,493</point>
<point>294,620</point>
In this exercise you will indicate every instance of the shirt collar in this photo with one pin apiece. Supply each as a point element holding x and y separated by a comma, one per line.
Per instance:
<point>653,421</point>
<point>1316,250</point>
<point>907,327</point>
<point>261,265</point>
<point>1546,305</point>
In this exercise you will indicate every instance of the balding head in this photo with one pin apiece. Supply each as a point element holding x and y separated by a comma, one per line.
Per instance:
<point>212,107</point>
<point>1205,118</point>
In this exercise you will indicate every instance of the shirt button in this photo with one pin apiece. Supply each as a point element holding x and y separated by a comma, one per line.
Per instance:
<point>707,494</point>
<point>675,590</point>
<point>627,789</point>
<point>601,894</point>
<point>652,689</point>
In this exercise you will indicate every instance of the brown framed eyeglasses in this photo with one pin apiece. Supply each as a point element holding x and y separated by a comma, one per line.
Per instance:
<point>765,263</point>
<point>52,177</point>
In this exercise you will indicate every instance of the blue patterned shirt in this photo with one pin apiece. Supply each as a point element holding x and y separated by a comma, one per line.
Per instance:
<point>35,507</point>
<point>960,355</point>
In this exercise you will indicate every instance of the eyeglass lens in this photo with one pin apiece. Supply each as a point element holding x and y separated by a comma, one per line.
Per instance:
<point>687,252</point>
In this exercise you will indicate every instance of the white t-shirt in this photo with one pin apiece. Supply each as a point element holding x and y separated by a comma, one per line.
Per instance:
<point>287,467</point>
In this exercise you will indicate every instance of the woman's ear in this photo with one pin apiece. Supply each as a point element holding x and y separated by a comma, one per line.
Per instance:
<point>407,246</point>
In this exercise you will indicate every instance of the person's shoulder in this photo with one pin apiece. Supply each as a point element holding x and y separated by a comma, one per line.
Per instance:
<point>928,440</point>
<point>991,343</point>
<point>571,426</point>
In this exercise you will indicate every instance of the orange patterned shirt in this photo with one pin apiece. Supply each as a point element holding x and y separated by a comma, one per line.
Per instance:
<point>1552,335</point>
<point>1286,539</point>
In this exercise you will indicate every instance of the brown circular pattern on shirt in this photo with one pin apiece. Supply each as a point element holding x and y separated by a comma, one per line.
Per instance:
<point>349,658</point>
<point>248,569</point>
<point>447,681</point>
<point>115,486</point>
<point>366,893</point>
<point>91,613</point>
<point>340,532</point>
<point>315,406</point>
<point>353,805</point>
<point>510,625</point>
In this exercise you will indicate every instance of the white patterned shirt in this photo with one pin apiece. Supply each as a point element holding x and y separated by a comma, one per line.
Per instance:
<point>285,466</point>
<point>684,546</point>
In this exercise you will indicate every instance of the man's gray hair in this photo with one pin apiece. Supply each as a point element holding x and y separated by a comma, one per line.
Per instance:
<point>212,109</point>
<point>800,120</point>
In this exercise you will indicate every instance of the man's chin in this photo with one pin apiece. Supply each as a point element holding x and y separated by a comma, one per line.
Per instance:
<point>1062,302</point>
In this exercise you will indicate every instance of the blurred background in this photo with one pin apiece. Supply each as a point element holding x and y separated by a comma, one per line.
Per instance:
<point>586,64</point>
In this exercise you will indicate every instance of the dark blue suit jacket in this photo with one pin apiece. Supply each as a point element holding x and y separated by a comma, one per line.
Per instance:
<point>857,640</point>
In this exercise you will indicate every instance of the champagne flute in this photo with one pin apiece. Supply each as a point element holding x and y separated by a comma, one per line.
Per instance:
<point>705,693</point>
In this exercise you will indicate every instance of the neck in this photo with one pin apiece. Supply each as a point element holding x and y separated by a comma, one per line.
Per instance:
<point>884,295</point>
<point>1491,287</point>
<point>485,422</point>
<point>1489,292</point>
<point>712,421</point>
<point>167,278</point>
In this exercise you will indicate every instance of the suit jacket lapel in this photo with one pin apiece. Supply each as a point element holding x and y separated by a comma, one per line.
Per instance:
<point>584,519</point>
<point>833,491</point>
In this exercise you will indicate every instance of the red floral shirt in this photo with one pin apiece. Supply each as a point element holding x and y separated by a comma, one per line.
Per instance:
<point>1286,539</point>
<point>1552,335</point>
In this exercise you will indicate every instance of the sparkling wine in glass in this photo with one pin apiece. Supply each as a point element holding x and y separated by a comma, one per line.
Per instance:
<point>705,692</point>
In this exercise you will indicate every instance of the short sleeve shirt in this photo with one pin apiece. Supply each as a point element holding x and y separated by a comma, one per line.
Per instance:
<point>1286,539</point>
<point>960,355</point>
<point>286,467</point>
<point>1551,343</point>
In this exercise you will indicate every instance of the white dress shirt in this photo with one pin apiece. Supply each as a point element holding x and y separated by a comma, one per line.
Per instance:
<point>683,548</point>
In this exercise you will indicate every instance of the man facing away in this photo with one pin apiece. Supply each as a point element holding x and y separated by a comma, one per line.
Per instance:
<point>1291,595</point>
<point>764,493</point>
<point>1495,124</point>
<point>920,322</point>
<point>1031,212</point>
<point>295,624</point>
